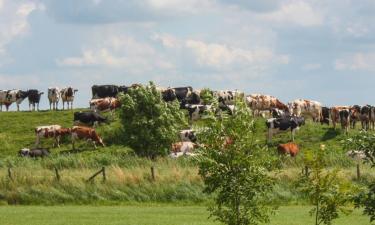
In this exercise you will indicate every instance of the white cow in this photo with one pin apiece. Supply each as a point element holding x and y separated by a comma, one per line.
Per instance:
<point>306,107</point>
<point>53,97</point>
<point>228,97</point>
<point>67,95</point>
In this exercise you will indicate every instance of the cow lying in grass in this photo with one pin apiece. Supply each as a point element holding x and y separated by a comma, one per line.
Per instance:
<point>34,153</point>
<point>289,148</point>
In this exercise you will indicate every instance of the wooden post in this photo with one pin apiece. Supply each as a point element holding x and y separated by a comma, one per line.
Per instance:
<point>57,174</point>
<point>96,174</point>
<point>104,175</point>
<point>152,173</point>
<point>10,174</point>
<point>306,171</point>
<point>358,172</point>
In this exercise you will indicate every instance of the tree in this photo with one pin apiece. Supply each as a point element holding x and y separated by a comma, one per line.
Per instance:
<point>233,166</point>
<point>365,142</point>
<point>324,188</point>
<point>149,124</point>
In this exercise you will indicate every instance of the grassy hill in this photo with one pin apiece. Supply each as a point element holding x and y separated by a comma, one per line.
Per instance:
<point>128,178</point>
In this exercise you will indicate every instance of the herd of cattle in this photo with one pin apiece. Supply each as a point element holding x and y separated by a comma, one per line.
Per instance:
<point>282,117</point>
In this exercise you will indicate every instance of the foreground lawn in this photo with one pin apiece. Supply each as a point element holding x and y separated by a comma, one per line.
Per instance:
<point>145,215</point>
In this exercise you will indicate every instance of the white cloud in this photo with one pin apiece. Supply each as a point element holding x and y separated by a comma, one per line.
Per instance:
<point>295,12</point>
<point>18,81</point>
<point>311,66</point>
<point>356,62</point>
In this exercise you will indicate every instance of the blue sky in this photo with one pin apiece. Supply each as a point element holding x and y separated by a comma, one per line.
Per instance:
<point>321,50</point>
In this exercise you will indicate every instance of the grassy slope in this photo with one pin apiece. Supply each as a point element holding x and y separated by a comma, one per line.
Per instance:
<point>146,215</point>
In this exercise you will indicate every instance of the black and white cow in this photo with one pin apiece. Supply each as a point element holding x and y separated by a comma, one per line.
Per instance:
<point>292,123</point>
<point>53,97</point>
<point>365,117</point>
<point>67,95</point>
<point>196,111</point>
<point>7,97</point>
<point>228,97</point>
<point>355,115</point>
<point>34,153</point>
<point>344,115</point>
<point>179,93</point>
<point>104,91</point>
<point>34,99</point>
<point>278,113</point>
<point>188,135</point>
<point>89,118</point>
<point>326,114</point>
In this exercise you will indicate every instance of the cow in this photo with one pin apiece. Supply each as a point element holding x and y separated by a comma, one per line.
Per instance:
<point>34,99</point>
<point>67,95</point>
<point>188,135</point>
<point>344,115</point>
<point>229,109</point>
<point>278,113</point>
<point>196,111</point>
<point>51,131</point>
<point>292,123</point>
<point>325,116</point>
<point>53,97</point>
<point>365,117</point>
<point>178,93</point>
<point>86,133</point>
<point>289,148</point>
<point>300,107</point>
<point>89,118</point>
<point>260,102</point>
<point>7,97</point>
<point>105,104</point>
<point>228,97</point>
<point>34,153</point>
<point>372,117</point>
<point>182,148</point>
<point>335,114</point>
<point>104,91</point>
<point>355,115</point>
<point>356,154</point>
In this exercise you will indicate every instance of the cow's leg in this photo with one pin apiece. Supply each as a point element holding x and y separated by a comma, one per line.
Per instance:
<point>7,106</point>
<point>37,141</point>
<point>58,141</point>
<point>63,105</point>
<point>270,133</point>
<point>18,107</point>
<point>93,142</point>
<point>293,132</point>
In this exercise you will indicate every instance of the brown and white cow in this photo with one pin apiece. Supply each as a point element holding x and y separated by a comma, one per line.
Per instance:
<point>86,133</point>
<point>260,102</point>
<point>289,148</point>
<point>105,104</point>
<point>305,107</point>
<point>341,114</point>
<point>67,95</point>
<point>50,131</point>
<point>53,97</point>
<point>182,148</point>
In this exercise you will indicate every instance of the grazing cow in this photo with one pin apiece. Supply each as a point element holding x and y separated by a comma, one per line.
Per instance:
<point>105,104</point>
<point>276,125</point>
<point>86,133</point>
<point>300,107</point>
<point>325,115</point>
<point>195,111</point>
<point>67,95</point>
<point>51,131</point>
<point>88,118</point>
<point>34,153</point>
<point>365,116</point>
<point>53,97</point>
<point>289,148</point>
<point>7,97</point>
<point>260,102</point>
<point>355,115</point>
<point>34,99</point>
<point>228,97</point>
<point>183,147</point>
<point>179,93</point>
<point>344,115</point>
<point>188,135</point>
<point>335,114</point>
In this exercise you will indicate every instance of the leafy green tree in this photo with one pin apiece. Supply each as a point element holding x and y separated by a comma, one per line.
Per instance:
<point>149,124</point>
<point>365,142</point>
<point>325,189</point>
<point>233,166</point>
<point>207,96</point>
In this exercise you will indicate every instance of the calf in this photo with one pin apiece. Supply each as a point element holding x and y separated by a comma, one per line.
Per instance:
<point>86,133</point>
<point>289,148</point>
<point>105,104</point>
<point>188,135</point>
<point>34,99</point>
<point>34,153</point>
<point>89,118</point>
<point>275,125</point>
<point>53,97</point>
<point>52,131</point>
<point>67,95</point>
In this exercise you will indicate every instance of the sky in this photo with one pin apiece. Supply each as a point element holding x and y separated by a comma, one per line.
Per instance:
<point>321,50</point>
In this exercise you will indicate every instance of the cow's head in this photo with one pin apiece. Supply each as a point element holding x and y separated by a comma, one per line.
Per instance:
<point>24,152</point>
<point>169,95</point>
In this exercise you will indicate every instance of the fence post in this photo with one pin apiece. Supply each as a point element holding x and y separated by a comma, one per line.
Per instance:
<point>10,174</point>
<point>57,174</point>
<point>102,171</point>
<point>358,172</point>
<point>152,173</point>
<point>104,175</point>
<point>306,171</point>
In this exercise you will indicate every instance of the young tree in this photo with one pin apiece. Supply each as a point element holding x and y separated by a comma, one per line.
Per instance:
<point>149,124</point>
<point>233,166</point>
<point>326,191</point>
<point>365,142</point>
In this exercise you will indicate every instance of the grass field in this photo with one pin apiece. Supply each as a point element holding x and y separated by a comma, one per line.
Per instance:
<point>147,215</point>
